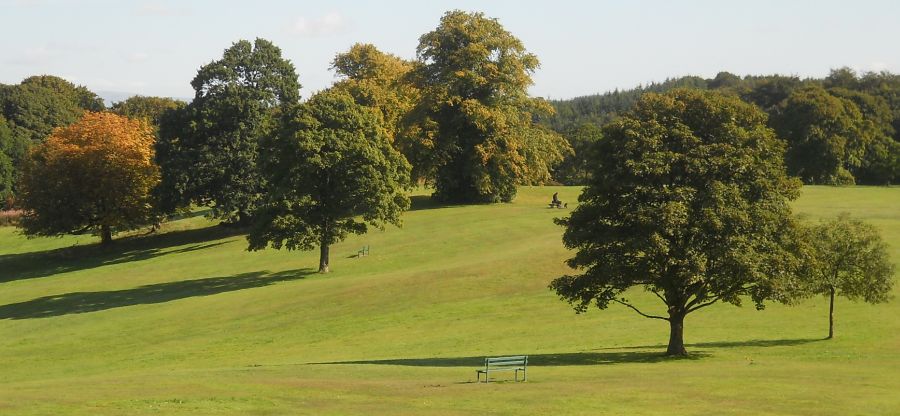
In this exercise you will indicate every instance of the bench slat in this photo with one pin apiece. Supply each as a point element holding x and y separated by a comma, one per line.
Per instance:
<point>510,363</point>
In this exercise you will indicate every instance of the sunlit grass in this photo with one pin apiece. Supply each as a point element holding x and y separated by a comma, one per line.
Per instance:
<point>189,322</point>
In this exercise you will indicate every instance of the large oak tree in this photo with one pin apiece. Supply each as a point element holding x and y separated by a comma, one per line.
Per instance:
<point>331,172</point>
<point>475,119</point>
<point>689,200</point>
<point>95,175</point>
<point>208,151</point>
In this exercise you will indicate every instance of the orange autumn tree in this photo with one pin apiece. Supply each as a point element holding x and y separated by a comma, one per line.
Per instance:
<point>95,175</point>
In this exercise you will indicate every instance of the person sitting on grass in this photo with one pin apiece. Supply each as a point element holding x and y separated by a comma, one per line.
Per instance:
<point>556,202</point>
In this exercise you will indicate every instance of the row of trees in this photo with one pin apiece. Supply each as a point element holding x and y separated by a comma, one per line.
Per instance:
<point>457,118</point>
<point>688,197</point>
<point>842,129</point>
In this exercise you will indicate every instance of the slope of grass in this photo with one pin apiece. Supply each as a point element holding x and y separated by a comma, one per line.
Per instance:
<point>189,322</point>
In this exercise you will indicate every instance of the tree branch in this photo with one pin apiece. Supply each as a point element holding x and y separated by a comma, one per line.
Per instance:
<point>639,311</point>
<point>702,305</point>
<point>658,295</point>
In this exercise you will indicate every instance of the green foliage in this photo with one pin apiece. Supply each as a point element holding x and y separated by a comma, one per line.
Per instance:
<point>847,258</point>
<point>331,172</point>
<point>8,153</point>
<point>38,104</point>
<point>880,164</point>
<point>826,136</point>
<point>208,151</point>
<point>151,109</point>
<point>29,112</point>
<point>378,80</point>
<point>575,168</point>
<point>475,118</point>
<point>688,199</point>
<point>600,109</point>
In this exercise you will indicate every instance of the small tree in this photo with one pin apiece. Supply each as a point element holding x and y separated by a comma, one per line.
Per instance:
<point>847,258</point>
<point>688,198</point>
<point>331,172</point>
<point>96,174</point>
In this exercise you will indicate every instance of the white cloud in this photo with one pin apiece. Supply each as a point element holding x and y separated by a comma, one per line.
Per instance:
<point>329,24</point>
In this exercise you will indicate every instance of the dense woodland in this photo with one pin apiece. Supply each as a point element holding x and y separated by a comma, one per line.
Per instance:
<point>842,129</point>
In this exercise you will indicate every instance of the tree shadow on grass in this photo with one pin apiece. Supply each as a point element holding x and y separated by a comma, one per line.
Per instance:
<point>136,248</point>
<point>83,302</point>
<point>600,356</point>
<point>423,202</point>
<point>549,360</point>
<point>727,344</point>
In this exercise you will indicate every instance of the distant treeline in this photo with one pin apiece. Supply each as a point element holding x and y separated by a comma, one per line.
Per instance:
<point>841,129</point>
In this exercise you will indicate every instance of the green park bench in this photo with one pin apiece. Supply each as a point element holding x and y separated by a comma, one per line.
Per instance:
<point>513,363</point>
<point>364,251</point>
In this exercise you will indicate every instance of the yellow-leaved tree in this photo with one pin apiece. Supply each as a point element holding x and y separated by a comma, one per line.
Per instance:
<point>94,175</point>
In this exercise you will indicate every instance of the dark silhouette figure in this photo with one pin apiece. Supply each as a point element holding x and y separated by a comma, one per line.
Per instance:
<point>556,203</point>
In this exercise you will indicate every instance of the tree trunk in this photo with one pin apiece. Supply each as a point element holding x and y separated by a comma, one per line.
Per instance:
<point>105,235</point>
<point>676,336</point>
<point>831,316</point>
<point>323,258</point>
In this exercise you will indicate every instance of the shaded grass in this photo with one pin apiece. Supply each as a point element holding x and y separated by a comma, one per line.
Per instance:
<point>82,302</point>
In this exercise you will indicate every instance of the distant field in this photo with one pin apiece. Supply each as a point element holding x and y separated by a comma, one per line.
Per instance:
<point>189,322</point>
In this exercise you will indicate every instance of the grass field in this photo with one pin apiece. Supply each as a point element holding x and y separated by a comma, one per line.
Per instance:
<point>189,322</point>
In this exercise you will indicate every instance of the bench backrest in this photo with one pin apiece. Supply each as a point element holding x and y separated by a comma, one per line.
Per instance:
<point>513,361</point>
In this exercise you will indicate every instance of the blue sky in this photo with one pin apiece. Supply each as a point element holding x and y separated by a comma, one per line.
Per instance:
<point>155,47</point>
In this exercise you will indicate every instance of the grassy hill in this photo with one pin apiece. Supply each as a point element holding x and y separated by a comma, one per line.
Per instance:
<point>189,322</point>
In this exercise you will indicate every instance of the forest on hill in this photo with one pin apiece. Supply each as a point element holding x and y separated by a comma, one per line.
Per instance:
<point>841,129</point>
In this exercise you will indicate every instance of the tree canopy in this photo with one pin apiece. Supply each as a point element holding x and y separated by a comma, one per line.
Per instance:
<point>331,172</point>
<point>876,95</point>
<point>378,80</point>
<point>95,175</point>
<point>150,108</point>
<point>825,135</point>
<point>688,199</point>
<point>475,117</point>
<point>208,151</point>
<point>38,104</point>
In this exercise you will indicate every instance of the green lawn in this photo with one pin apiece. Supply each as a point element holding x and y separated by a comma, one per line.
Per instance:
<point>189,322</point>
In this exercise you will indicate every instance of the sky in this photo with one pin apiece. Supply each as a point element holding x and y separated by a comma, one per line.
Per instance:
<point>155,47</point>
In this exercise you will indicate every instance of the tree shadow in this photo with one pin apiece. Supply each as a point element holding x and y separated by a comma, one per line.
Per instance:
<point>727,344</point>
<point>549,360</point>
<point>423,202</point>
<point>84,302</point>
<point>600,356</point>
<point>135,248</point>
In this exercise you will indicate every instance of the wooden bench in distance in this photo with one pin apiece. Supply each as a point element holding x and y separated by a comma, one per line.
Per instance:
<point>514,363</point>
<point>364,251</point>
